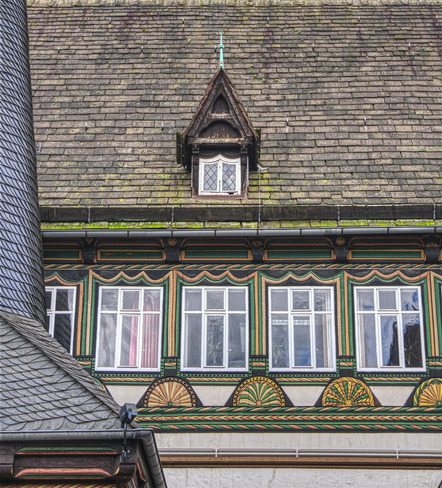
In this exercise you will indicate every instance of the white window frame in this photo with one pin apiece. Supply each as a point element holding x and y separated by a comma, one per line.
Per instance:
<point>120,314</point>
<point>205,313</point>
<point>397,312</point>
<point>292,314</point>
<point>51,313</point>
<point>219,160</point>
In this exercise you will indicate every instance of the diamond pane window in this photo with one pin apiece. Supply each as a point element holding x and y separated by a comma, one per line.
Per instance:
<point>220,176</point>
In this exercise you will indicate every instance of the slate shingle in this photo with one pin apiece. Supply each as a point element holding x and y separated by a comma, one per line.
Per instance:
<point>347,94</point>
<point>43,386</point>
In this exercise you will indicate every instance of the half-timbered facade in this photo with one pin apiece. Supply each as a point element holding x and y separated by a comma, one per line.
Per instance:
<point>250,253</point>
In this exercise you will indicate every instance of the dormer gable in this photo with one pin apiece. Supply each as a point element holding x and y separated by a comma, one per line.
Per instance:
<point>220,145</point>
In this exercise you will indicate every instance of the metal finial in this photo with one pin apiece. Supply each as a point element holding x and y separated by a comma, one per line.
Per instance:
<point>221,51</point>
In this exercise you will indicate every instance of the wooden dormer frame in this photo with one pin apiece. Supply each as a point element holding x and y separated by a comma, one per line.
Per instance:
<point>220,126</point>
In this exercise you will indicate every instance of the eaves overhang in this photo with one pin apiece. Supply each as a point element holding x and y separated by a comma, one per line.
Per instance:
<point>145,437</point>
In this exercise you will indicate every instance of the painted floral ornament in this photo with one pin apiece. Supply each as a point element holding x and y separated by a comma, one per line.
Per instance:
<point>347,392</point>
<point>258,391</point>
<point>429,393</point>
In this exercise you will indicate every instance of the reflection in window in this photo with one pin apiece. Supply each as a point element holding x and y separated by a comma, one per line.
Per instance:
<point>129,328</point>
<point>215,328</point>
<point>389,328</point>
<point>60,311</point>
<point>301,328</point>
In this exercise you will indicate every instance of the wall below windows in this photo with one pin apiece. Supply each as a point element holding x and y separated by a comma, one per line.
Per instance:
<point>299,478</point>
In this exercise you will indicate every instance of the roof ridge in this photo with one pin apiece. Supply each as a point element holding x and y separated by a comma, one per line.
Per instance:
<point>38,338</point>
<point>232,3</point>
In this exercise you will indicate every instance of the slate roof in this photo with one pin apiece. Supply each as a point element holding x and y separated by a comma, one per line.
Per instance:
<point>43,388</point>
<point>348,99</point>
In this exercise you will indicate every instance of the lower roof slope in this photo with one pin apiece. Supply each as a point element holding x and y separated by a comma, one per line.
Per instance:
<point>348,99</point>
<point>43,388</point>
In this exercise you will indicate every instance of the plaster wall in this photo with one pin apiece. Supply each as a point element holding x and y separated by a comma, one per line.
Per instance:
<point>126,394</point>
<point>300,478</point>
<point>392,396</point>
<point>214,396</point>
<point>294,440</point>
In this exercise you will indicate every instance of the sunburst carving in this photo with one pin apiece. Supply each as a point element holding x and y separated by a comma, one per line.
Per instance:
<point>169,392</point>
<point>429,393</point>
<point>347,392</point>
<point>258,391</point>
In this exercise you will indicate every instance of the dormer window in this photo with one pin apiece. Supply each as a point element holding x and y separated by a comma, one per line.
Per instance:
<point>219,176</point>
<point>220,146</point>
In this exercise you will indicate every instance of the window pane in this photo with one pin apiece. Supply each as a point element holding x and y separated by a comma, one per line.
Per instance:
<point>322,300</point>
<point>300,300</point>
<point>62,329</point>
<point>215,341</point>
<point>389,338</point>
<point>192,300</point>
<point>409,300</point>
<point>387,300</point>
<point>412,341</point>
<point>210,177</point>
<point>150,344</point>
<point>48,322</point>
<point>237,341</point>
<point>280,341</point>
<point>215,300</point>
<point>321,340</point>
<point>237,300</point>
<point>107,338</point>
<point>367,332</point>
<point>151,301</point>
<point>109,299</point>
<point>131,300</point>
<point>229,177</point>
<point>193,340</point>
<point>48,300</point>
<point>64,300</point>
<point>365,300</point>
<point>302,341</point>
<point>279,301</point>
<point>129,340</point>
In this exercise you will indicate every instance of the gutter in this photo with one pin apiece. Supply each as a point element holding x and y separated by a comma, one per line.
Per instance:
<point>286,232</point>
<point>146,436</point>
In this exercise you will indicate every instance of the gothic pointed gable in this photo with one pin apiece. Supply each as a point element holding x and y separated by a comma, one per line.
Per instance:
<point>220,145</point>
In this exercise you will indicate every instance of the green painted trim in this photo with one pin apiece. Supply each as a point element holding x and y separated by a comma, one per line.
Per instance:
<point>107,255</point>
<point>300,254</point>
<point>396,254</point>
<point>216,254</point>
<point>61,254</point>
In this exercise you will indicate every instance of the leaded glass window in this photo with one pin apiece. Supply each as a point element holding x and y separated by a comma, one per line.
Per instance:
<point>220,176</point>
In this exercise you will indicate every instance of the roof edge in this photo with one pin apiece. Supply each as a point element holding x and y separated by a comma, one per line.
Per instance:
<point>239,213</point>
<point>229,3</point>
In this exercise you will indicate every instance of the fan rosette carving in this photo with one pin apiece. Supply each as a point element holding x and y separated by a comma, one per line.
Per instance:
<point>347,392</point>
<point>258,391</point>
<point>429,393</point>
<point>169,392</point>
